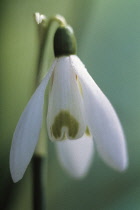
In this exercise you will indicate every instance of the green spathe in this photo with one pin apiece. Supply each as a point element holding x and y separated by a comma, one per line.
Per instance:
<point>65,119</point>
<point>64,41</point>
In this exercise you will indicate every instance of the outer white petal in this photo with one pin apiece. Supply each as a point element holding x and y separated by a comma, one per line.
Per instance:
<point>76,156</point>
<point>27,131</point>
<point>65,118</point>
<point>102,120</point>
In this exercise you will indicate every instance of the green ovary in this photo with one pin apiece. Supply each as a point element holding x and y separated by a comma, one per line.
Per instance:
<point>65,119</point>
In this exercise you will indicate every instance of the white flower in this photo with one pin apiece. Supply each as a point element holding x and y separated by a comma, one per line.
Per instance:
<point>77,110</point>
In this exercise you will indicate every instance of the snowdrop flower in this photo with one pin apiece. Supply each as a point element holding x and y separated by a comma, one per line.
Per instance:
<point>78,114</point>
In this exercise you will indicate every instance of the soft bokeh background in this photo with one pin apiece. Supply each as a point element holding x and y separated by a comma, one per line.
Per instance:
<point>108,36</point>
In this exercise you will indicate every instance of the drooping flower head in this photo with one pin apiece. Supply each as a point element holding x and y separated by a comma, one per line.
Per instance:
<point>78,114</point>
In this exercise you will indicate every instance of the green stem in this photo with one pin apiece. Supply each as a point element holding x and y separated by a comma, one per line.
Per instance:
<point>39,193</point>
<point>44,39</point>
<point>40,161</point>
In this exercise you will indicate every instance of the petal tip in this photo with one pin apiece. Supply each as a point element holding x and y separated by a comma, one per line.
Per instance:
<point>76,156</point>
<point>78,175</point>
<point>16,167</point>
<point>15,175</point>
<point>16,178</point>
<point>124,165</point>
<point>119,165</point>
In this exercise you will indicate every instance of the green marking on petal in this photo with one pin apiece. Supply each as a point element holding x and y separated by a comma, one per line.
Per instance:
<point>87,132</point>
<point>79,85</point>
<point>65,119</point>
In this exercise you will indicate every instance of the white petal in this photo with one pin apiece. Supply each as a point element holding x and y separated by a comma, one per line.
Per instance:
<point>102,120</point>
<point>27,131</point>
<point>76,156</point>
<point>65,118</point>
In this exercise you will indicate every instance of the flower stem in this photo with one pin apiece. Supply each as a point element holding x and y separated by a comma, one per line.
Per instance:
<point>39,159</point>
<point>44,26</point>
<point>39,185</point>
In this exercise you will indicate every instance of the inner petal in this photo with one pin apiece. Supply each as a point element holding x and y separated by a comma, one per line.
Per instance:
<point>66,115</point>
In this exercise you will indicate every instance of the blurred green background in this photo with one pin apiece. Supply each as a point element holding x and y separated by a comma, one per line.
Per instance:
<point>108,37</point>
